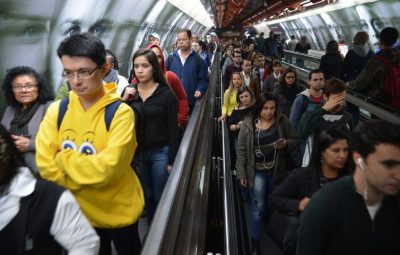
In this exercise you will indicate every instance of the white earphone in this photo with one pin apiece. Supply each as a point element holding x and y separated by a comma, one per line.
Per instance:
<point>361,163</point>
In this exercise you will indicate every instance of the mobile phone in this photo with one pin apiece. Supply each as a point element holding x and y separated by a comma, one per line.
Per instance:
<point>280,141</point>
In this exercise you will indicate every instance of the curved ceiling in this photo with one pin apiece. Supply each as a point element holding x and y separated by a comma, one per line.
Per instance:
<point>235,14</point>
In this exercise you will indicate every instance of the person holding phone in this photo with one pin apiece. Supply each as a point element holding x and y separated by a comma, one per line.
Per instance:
<point>28,96</point>
<point>265,140</point>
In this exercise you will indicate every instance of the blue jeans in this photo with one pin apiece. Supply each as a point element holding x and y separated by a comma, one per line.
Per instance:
<point>153,175</point>
<point>261,188</point>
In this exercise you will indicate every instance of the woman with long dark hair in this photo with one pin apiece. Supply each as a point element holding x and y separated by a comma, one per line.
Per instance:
<point>264,141</point>
<point>332,62</point>
<point>286,91</point>
<point>28,95</point>
<point>329,161</point>
<point>159,137</point>
<point>38,216</point>
<point>245,102</point>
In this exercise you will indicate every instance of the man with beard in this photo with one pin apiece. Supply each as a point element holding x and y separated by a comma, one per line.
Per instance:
<point>307,101</point>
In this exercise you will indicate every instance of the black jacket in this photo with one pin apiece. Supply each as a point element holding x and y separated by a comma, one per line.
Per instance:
<point>302,182</point>
<point>331,64</point>
<point>159,121</point>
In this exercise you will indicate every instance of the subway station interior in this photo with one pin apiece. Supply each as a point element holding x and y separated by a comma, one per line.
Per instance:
<point>202,209</point>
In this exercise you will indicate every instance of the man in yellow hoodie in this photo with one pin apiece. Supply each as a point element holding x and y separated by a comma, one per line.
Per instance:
<point>78,151</point>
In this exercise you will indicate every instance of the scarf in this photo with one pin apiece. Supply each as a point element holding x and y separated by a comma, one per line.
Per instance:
<point>19,125</point>
<point>361,50</point>
<point>112,76</point>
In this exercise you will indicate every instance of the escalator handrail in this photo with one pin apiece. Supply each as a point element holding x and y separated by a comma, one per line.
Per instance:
<point>303,55</point>
<point>359,100</point>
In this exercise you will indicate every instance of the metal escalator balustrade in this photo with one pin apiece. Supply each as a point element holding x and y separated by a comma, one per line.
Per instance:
<point>369,107</point>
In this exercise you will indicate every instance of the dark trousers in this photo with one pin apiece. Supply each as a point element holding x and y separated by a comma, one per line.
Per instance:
<point>126,240</point>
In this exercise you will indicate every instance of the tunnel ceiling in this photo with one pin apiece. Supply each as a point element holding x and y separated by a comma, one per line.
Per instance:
<point>236,14</point>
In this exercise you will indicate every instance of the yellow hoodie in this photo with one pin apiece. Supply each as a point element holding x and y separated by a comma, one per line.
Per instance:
<point>102,180</point>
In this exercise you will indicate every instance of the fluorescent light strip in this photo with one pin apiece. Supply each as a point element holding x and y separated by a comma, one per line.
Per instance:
<point>194,9</point>
<point>328,8</point>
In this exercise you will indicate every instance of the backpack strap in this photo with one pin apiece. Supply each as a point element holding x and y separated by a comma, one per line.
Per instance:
<point>384,61</point>
<point>306,101</point>
<point>110,112</point>
<point>62,110</point>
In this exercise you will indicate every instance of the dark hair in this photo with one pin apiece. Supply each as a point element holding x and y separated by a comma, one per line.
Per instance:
<point>275,64</point>
<point>248,59</point>
<point>243,89</point>
<point>361,37</point>
<point>325,139</point>
<point>332,47</point>
<point>236,52</point>
<point>45,92</point>
<point>388,36</point>
<point>313,72</point>
<point>158,75</point>
<point>263,99</point>
<point>271,63</point>
<point>187,31</point>
<point>285,73</point>
<point>114,59</point>
<point>370,133</point>
<point>10,159</point>
<point>202,45</point>
<point>83,45</point>
<point>334,86</point>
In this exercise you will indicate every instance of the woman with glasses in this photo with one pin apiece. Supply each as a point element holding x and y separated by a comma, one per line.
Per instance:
<point>28,96</point>
<point>287,91</point>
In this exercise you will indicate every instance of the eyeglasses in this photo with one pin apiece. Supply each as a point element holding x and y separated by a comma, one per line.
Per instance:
<point>81,74</point>
<point>26,87</point>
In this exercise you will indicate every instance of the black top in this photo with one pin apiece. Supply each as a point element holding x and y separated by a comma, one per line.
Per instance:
<point>331,64</point>
<point>237,116</point>
<point>336,221</point>
<point>264,140</point>
<point>159,121</point>
<point>302,182</point>
<point>29,231</point>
